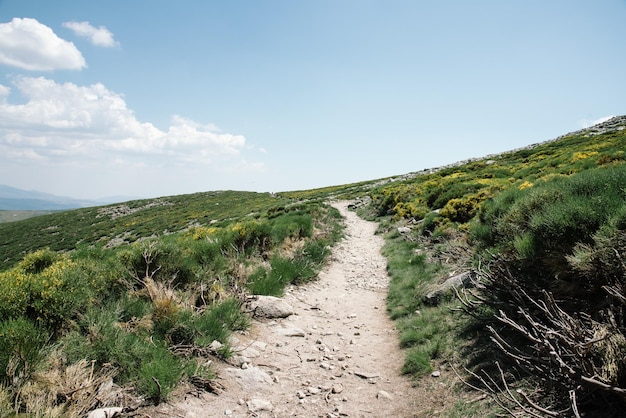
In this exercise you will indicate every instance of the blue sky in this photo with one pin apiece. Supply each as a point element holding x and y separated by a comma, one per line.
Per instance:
<point>157,98</point>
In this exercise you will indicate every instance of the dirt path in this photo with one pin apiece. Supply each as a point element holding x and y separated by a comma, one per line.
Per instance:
<point>337,356</point>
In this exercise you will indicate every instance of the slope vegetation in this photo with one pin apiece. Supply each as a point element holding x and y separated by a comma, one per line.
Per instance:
<point>139,295</point>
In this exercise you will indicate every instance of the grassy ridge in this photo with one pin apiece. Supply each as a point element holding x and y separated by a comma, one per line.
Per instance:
<point>534,219</point>
<point>128,222</point>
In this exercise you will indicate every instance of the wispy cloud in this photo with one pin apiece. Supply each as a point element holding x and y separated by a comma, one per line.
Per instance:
<point>60,122</point>
<point>99,36</point>
<point>29,45</point>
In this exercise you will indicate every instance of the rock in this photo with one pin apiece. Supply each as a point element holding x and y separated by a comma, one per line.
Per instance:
<point>366,375</point>
<point>360,202</point>
<point>291,331</point>
<point>337,388</point>
<point>268,307</point>
<point>250,378</point>
<point>460,280</point>
<point>313,390</point>
<point>404,230</point>
<point>228,412</point>
<point>436,373</point>
<point>384,395</point>
<point>260,345</point>
<point>239,360</point>
<point>105,412</point>
<point>215,346</point>
<point>300,394</point>
<point>258,405</point>
<point>249,352</point>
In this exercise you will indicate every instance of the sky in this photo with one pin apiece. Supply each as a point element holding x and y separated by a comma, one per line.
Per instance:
<point>146,99</point>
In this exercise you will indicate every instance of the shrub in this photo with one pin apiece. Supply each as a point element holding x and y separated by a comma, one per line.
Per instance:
<point>52,295</point>
<point>22,347</point>
<point>292,225</point>
<point>217,323</point>
<point>262,282</point>
<point>557,283</point>
<point>159,374</point>
<point>38,261</point>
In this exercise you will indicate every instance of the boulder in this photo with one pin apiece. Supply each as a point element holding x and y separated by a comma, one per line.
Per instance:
<point>268,307</point>
<point>460,280</point>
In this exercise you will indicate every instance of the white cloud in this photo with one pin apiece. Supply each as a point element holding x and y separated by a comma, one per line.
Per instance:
<point>67,122</point>
<point>29,45</point>
<point>99,36</point>
<point>586,123</point>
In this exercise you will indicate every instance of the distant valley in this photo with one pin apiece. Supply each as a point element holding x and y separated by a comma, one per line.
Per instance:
<point>14,199</point>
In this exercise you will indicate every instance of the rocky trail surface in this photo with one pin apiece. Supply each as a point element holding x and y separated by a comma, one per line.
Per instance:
<point>336,355</point>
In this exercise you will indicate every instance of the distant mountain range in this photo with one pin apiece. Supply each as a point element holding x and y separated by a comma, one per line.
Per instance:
<point>12,198</point>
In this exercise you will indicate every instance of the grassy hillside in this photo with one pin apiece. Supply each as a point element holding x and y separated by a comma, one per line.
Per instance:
<point>142,291</point>
<point>96,284</point>
<point>18,215</point>
<point>543,230</point>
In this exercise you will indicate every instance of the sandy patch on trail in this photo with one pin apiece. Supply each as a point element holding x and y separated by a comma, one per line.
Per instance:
<point>337,356</point>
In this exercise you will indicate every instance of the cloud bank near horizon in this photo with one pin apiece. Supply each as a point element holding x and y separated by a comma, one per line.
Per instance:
<point>64,120</point>
<point>86,129</point>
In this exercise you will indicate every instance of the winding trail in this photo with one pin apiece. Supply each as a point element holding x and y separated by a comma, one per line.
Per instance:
<point>337,356</point>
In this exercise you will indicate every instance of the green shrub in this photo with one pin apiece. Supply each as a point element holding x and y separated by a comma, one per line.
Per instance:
<point>38,261</point>
<point>263,282</point>
<point>556,272</point>
<point>417,362</point>
<point>292,225</point>
<point>548,220</point>
<point>217,323</point>
<point>163,259</point>
<point>22,348</point>
<point>51,295</point>
<point>159,374</point>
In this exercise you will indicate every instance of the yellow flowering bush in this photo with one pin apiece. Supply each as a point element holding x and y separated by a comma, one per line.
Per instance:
<point>47,293</point>
<point>583,155</point>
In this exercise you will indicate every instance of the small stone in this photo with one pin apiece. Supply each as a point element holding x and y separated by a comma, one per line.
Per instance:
<point>215,345</point>
<point>291,332</point>
<point>383,395</point>
<point>258,405</point>
<point>104,412</point>
<point>436,373</point>
<point>366,375</point>
<point>337,388</point>
<point>351,316</point>
<point>228,412</point>
<point>313,390</point>
<point>325,366</point>
<point>300,394</point>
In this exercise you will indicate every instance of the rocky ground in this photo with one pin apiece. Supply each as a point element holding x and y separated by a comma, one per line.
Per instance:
<point>337,355</point>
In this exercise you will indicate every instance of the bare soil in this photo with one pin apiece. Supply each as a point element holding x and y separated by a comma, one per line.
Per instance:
<point>337,356</point>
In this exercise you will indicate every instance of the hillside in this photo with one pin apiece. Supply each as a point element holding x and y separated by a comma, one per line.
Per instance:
<point>99,282</point>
